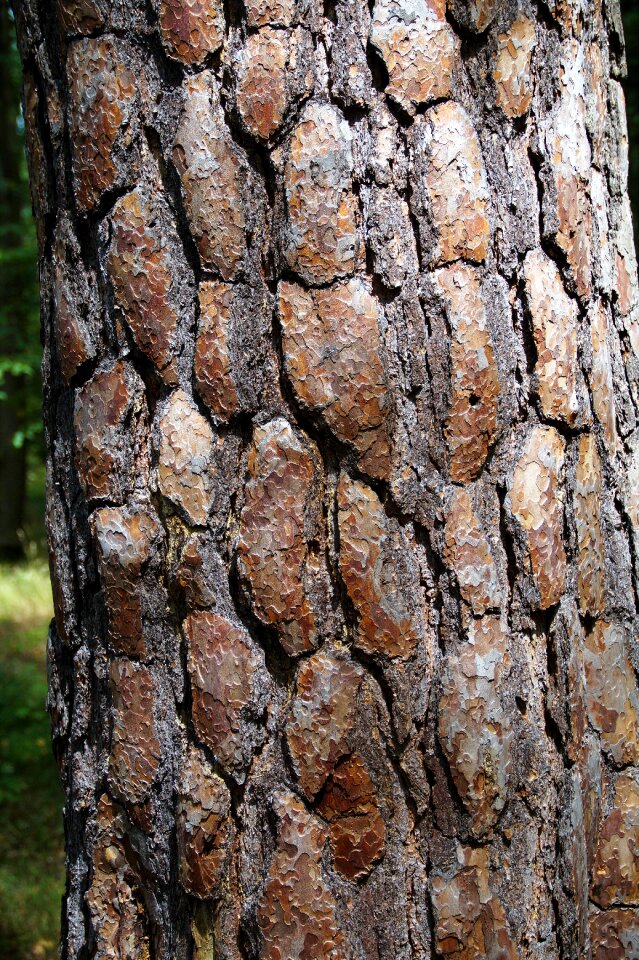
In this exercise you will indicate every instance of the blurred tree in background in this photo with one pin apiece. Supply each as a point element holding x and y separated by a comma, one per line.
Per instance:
<point>20,429</point>
<point>630,11</point>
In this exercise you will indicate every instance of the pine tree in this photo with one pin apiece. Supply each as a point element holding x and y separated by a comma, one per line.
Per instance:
<point>341,340</point>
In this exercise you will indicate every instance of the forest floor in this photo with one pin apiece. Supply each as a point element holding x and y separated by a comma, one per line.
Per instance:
<point>31,835</point>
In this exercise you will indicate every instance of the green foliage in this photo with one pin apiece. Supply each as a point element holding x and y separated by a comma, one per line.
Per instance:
<point>20,308</point>
<point>31,841</point>
<point>19,304</point>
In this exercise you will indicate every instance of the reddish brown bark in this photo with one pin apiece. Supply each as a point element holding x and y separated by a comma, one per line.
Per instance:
<point>341,312</point>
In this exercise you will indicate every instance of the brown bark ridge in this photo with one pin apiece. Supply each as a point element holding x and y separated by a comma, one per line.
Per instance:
<point>341,326</point>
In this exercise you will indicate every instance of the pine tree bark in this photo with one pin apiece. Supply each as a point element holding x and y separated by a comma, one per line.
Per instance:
<point>341,328</point>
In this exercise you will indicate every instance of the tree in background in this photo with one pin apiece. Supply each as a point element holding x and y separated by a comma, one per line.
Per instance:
<point>340,319</point>
<point>630,11</point>
<point>19,316</point>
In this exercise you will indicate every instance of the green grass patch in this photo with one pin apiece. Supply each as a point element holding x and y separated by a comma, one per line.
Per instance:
<point>31,835</point>
<point>25,598</point>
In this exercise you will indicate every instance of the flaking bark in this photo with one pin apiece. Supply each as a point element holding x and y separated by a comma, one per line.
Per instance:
<point>341,350</point>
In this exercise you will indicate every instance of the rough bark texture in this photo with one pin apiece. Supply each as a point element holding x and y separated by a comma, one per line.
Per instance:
<point>341,359</point>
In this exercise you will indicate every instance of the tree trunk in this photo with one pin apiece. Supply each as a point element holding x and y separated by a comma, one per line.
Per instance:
<point>341,348</point>
<point>13,473</point>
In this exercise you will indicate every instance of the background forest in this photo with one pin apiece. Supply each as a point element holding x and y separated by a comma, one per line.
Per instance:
<point>31,842</point>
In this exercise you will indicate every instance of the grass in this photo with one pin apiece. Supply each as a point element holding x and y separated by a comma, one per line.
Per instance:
<point>31,836</point>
